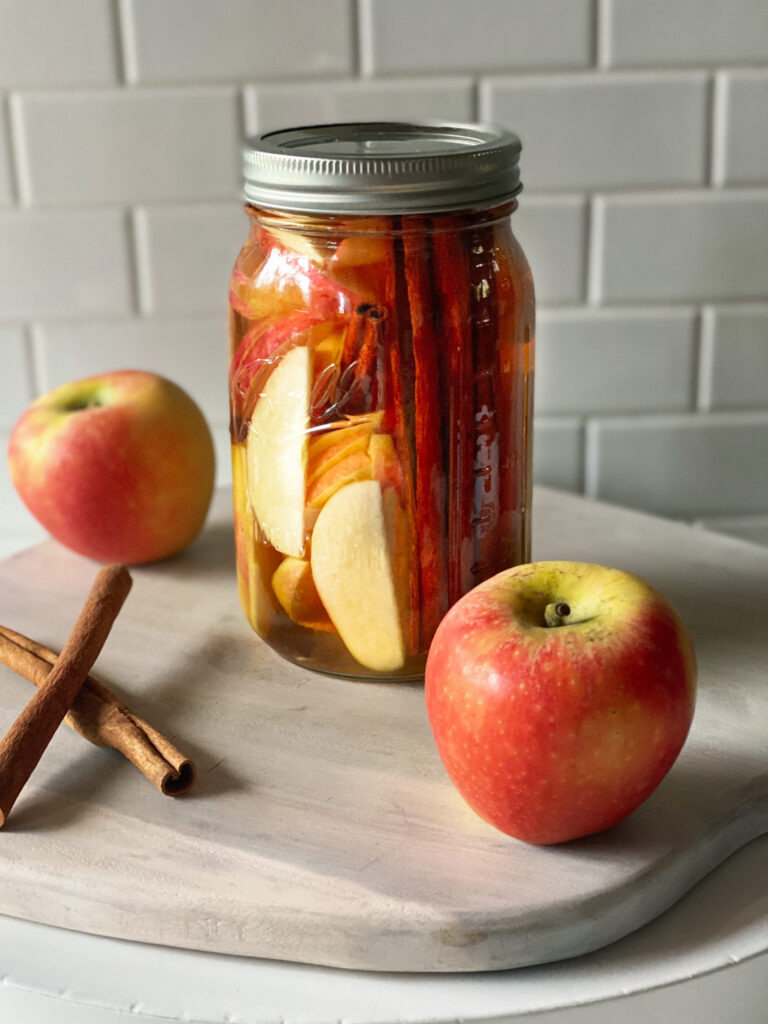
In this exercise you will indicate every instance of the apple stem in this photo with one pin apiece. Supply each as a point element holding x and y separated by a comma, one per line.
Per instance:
<point>556,614</point>
<point>79,406</point>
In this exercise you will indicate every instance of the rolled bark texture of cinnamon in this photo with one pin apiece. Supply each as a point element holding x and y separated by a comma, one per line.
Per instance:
<point>103,719</point>
<point>25,742</point>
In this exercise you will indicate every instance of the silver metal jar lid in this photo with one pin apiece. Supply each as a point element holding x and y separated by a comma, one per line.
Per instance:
<point>382,167</point>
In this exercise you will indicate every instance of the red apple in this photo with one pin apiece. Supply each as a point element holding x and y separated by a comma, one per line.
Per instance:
<point>559,695</point>
<point>117,467</point>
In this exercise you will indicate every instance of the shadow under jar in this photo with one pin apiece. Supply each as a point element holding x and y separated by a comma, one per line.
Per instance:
<point>381,382</point>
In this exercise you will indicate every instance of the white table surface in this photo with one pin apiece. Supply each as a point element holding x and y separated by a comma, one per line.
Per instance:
<point>706,959</point>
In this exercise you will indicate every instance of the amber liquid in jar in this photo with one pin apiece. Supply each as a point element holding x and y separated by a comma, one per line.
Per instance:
<point>381,376</point>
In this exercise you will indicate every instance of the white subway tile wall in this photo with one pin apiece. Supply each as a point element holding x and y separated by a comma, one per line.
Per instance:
<point>682,246</point>
<point>558,452</point>
<point>186,255</point>
<point>270,107</point>
<point>605,131</point>
<point>196,40</point>
<point>742,118</point>
<point>678,465</point>
<point>607,361</point>
<point>644,215</point>
<point>15,381</point>
<point>62,263</point>
<point>129,145</point>
<point>654,32</point>
<point>46,42</point>
<point>474,35</point>
<point>553,233</point>
<point>734,358</point>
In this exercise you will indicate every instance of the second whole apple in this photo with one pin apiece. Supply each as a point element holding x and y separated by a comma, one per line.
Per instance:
<point>559,695</point>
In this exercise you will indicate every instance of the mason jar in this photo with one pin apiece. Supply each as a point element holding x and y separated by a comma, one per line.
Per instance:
<point>381,382</point>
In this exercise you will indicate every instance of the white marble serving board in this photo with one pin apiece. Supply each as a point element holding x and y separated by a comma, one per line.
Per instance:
<point>323,828</point>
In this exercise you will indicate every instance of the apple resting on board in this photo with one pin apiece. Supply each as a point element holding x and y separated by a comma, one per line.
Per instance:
<point>559,695</point>
<point>118,467</point>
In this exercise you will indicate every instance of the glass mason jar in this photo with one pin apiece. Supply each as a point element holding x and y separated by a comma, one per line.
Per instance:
<point>381,381</point>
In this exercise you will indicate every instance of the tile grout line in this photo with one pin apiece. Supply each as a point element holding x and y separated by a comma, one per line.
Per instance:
<point>35,360</point>
<point>475,101</point>
<point>19,162</point>
<point>118,51</point>
<point>353,20</point>
<point>363,24</point>
<point>126,40</point>
<point>707,157</point>
<point>590,456</point>
<point>246,116</point>
<point>137,237</point>
<point>582,468</point>
<point>694,384</point>
<point>706,352</point>
<point>593,254</point>
<point>718,132</point>
<point>411,76</point>
<point>13,176</point>
<point>602,33</point>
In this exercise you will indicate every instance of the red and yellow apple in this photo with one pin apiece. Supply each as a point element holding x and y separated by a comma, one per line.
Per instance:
<point>118,467</point>
<point>559,695</point>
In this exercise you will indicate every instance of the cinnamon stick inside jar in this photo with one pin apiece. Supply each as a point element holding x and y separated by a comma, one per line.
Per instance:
<point>25,742</point>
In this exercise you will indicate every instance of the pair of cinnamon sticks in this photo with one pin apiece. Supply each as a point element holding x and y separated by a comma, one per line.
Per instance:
<point>66,692</point>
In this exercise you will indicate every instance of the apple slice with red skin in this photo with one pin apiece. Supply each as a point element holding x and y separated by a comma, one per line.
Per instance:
<point>287,281</point>
<point>263,346</point>
<point>559,695</point>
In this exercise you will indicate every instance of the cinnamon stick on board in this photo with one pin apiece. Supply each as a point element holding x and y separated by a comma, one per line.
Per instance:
<point>25,742</point>
<point>102,718</point>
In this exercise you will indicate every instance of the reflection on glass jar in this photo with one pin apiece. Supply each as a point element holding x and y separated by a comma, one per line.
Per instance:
<point>381,372</point>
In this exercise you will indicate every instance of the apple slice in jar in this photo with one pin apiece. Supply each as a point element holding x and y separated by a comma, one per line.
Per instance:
<point>262,348</point>
<point>285,282</point>
<point>332,446</point>
<point>255,562</point>
<point>385,464</point>
<point>295,589</point>
<point>315,248</point>
<point>360,260</point>
<point>277,452</point>
<point>355,568</point>
<point>352,468</point>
